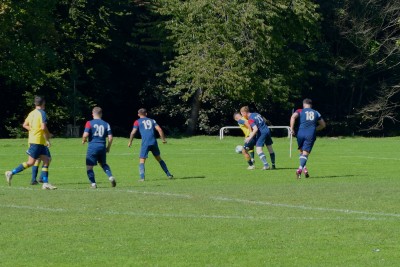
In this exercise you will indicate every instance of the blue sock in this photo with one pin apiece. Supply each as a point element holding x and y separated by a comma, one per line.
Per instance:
<point>45,174</point>
<point>107,169</point>
<point>263,158</point>
<point>303,161</point>
<point>272,156</point>
<point>35,170</point>
<point>141,170</point>
<point>20,168</point>
<point>164,167</point>
<point>90,174</point>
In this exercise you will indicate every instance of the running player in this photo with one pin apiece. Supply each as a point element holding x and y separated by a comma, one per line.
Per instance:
<point>310,122</point>
<point>248,148</point>
<point>39,142</point>
<point>146,128</point>
<point>262,136</point>
<point>97,131</point>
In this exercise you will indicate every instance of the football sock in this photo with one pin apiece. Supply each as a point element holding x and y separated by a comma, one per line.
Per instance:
<point>272,156</point>
<point>164,167</point>
<point>251,152</point>
<point>45,174</point>
<point>20,168</point>
<point>303,161</point>
<point>107,169</point>
<point>90,174</point>
<point>141,170</point>
<point>263,158</point>
<point>35,170</point>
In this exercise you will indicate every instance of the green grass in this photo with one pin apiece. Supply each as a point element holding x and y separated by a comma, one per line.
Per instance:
<point>214,213</point>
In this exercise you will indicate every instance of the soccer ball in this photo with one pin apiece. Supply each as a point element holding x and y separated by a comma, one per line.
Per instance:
<point>238,149</point>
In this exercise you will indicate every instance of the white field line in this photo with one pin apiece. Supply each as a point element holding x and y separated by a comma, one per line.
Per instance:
<point>367,157</point>
<point>366,215</point>
<point>302,207</point>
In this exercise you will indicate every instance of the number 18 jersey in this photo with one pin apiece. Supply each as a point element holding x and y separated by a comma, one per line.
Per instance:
<point>308,119</point>
<point>98,131</point>
<point>146,129</point>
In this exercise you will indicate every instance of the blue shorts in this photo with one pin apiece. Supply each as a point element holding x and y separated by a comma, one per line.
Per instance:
<point>96,154</point>
<point>250,145</point>
<point>264,138</point>
<point>144,151</point>
<point>306,142</point>
<point>35,151</point>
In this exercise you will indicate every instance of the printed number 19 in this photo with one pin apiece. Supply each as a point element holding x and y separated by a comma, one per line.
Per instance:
<point>147,124</point>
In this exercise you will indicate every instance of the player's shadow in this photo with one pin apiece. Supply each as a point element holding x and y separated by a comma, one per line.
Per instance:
<point>191,177</point>
<point>332,176</point>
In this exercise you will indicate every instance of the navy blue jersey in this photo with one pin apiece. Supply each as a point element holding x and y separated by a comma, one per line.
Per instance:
<point>308,119</point>
<point>98,131</point>
<point>257,119</point>
<point>146,128</point>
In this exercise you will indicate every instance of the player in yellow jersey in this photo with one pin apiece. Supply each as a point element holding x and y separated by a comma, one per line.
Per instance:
<point>36,124</point>
<point>248,147</point>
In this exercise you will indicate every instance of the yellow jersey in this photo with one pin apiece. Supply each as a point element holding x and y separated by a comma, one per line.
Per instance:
<point>243,127</point>
<point>35,120</point>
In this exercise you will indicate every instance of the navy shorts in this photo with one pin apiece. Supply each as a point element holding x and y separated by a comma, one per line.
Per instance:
<point>306,142</point>
<point>264,138</point>
<point>35,151</point>
<point>96,154</point>
<point>250,145</point>
<point>145,149</point>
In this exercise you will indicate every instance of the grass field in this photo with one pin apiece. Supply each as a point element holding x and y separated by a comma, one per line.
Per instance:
<point>214,213</point>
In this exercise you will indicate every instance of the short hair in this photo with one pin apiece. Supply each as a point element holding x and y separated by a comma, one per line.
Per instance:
<point>236,114</point>
<point>39,100</point>
<point>307,101</point>
<point>142,111</point>
<point>245,109</point>
<point>97,110</point>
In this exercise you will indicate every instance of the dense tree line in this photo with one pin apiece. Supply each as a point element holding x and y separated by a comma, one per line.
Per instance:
<point>193,63</point>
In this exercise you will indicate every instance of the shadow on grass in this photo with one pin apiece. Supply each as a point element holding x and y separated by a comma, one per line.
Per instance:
<point>331,176</point>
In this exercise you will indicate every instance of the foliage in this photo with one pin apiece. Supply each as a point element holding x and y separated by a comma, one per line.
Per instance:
<point>240,51</point>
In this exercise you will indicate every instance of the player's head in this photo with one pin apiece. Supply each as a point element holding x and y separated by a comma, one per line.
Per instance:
<point>97,112</point>
<point>237,116</point>
<point>245,111</point>
<point>39,101</point>
<point>307,103</point>
<point>142,112</point>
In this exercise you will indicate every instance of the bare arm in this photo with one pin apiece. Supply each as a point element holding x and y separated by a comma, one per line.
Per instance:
<point>321,125</point>
<point>293,121</point>
<point>46,134</point>
<point>132,136</point>
<point>252,134</point>
<point>110,140</point>
<point>26,125</point>
<point>84,137</point>
<point>161,133</point>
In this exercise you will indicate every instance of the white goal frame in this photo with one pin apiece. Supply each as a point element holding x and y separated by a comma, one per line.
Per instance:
<point>290,136</point>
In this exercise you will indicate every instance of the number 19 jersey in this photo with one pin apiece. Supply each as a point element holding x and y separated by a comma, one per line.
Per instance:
<point>98,131</point>
<point>146,129</point>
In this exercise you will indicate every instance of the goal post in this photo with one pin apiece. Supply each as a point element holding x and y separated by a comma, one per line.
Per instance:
<point>289,132</point>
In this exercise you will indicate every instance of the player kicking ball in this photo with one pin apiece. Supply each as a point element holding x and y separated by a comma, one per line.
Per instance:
<point>248,147</point>
<point>146,127</point>
<point>310,122</point>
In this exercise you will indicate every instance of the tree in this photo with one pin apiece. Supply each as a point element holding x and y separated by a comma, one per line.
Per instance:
<point>237,51</point>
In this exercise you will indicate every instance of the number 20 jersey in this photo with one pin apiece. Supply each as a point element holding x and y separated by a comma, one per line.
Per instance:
<point>146,129</point>
<point>98,131</point>
<point>308,120</point>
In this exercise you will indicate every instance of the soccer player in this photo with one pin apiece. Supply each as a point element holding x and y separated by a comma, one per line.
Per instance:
<point>97,131</point>
<point>248,148</point>
<point>310,122</point>
<point>35,169</point>
<point>39,138</point>
<point>262,135</point>
<point>146,127</point>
